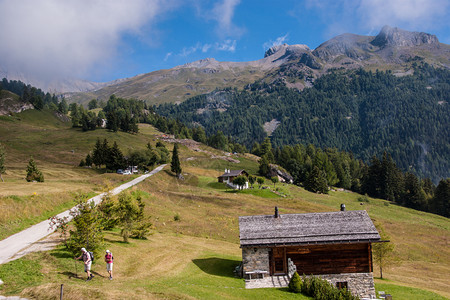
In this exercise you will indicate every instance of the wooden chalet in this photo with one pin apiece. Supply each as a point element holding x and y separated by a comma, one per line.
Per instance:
<point>334,245</point>
<point>229,175</point>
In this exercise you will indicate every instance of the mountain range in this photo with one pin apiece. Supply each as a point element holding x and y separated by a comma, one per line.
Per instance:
<point>393,48</point>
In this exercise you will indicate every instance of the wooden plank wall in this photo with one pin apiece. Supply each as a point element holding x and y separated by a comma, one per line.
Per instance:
<point>331,259</point>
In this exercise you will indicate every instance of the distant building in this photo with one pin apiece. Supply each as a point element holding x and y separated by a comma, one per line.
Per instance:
<point>336,246</point>
<point>229,175</point>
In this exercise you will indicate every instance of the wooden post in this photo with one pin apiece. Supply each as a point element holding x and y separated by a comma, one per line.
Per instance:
<point>370,258</point>
<point>61,292</point>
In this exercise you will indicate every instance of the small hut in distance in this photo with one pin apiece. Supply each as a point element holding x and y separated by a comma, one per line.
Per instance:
<point>336,246</point>
<point>229,175</point>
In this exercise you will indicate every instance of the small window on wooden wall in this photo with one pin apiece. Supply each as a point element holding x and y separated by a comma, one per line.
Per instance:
<point>342,285</point>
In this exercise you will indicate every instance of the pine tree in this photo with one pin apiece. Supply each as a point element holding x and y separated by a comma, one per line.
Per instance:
<point>264,166</point>
<point>413,196</point>
<point>114,158</point>
<point>316,181</point>
<point>97,154</point>
<point>441,200</point>
<point>88,160</point>
<point>87,231</point>
<point>33,174</point>
<point>175,165</point>
<point>295,284</point>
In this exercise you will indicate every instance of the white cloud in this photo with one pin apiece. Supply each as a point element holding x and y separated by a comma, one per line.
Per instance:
<point>206,47</point>
<point>372,15</point>
<point>227,45</point>
<point>413,14</point>
<point>278,41</point>
<point>57,39</point>
<point>168,55</point>
<point>223,13</point>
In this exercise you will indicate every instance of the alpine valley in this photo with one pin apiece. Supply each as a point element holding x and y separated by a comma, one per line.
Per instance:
<point>363,94</point>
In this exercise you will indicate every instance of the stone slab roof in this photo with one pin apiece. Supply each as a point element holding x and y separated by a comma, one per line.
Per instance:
<point>233,173</point>
<point>304,229</point>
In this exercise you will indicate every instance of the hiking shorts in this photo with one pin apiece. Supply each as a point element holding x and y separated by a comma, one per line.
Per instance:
<point>109,266</point>
<point>87,267</point>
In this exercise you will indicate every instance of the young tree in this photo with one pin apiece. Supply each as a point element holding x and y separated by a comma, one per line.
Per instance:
<point>2,161</point>
<point>88,160</point>
<point>87,231</point>
<point>382,252</point>
<point>175,165</point>
<point>142,227</point>
<point>240,181</point>
<point>260,181</point>
<point>252,180</point>
<point>107,210</point>
<point>274,179</point>
<point>295,284</point>
<point>33,174</point>
<point>130,215</point>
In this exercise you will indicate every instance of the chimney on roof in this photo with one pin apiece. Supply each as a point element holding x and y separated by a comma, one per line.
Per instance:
<point>277,215</point>
<point>342,207</point>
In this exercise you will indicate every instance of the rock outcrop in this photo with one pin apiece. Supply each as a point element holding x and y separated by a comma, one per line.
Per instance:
<point>396,37</point>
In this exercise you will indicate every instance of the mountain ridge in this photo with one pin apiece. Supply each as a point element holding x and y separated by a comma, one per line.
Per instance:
<point>392,48</point>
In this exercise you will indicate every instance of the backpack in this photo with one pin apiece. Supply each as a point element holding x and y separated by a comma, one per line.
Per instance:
<point>109,256</point>
<point>91,254</point>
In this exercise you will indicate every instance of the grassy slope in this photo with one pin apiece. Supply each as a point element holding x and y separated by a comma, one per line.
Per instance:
<point>192,257</point>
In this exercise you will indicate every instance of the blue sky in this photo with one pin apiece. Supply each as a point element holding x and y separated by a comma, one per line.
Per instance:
<point>103,40</point>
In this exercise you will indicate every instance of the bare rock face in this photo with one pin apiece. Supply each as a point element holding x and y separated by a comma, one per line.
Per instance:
<point>396,37</point>
<point>8,105</point>
<point>351,45</point>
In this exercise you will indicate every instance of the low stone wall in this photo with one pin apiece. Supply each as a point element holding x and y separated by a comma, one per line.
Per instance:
<point>255,260</point>
<point>360,284</point>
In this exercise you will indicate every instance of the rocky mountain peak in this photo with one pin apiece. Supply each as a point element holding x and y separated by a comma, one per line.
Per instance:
<point>393,36</point>
<point>274,49</point>
<point>289,49</point>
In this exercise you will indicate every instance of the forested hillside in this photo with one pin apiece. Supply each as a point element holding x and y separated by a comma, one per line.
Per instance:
<point>362,112</point>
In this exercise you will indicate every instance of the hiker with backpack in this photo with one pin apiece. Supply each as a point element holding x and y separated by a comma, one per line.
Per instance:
<point>109,263</point>
<point>87,259</point>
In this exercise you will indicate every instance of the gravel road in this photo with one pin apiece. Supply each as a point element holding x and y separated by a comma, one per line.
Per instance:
<point>28,240</point>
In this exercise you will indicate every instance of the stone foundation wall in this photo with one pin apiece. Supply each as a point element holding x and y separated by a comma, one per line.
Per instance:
<point>360,284</point>
<point>255,260</point>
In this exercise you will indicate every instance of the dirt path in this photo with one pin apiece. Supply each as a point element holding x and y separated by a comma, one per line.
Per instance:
<point>34,238</point>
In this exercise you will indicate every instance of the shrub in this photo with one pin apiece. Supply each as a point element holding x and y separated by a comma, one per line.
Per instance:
<point>364,198</point>
<point>295,285</point>
<point>320,289</point>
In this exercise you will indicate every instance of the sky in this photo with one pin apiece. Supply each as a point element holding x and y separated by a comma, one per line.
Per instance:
<point>104,40</point>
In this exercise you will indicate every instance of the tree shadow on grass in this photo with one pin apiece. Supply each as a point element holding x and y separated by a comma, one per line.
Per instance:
<point>217,266</point>
<point>115,241</point>
<point>62,253</point>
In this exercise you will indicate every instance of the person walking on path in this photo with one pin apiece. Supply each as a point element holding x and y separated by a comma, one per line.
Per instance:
<point>87,263</point>
<point>109,263</point>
